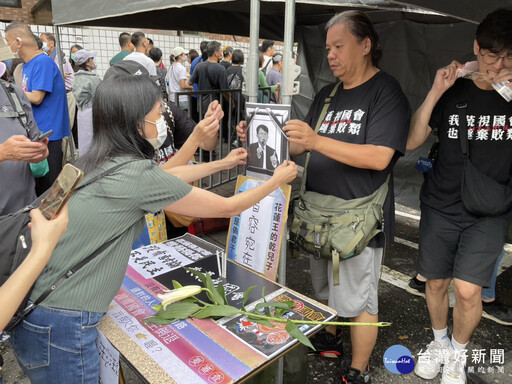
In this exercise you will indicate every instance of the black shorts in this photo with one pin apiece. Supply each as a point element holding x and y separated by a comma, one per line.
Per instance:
<point>463,249</point>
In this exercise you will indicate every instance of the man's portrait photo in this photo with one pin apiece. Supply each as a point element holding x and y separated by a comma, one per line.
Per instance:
<point>260,154</point>
<point>267,146</point>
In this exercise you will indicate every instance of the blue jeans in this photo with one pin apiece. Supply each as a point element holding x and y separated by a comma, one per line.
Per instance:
<point>55,345</point>
<point>490,292</point>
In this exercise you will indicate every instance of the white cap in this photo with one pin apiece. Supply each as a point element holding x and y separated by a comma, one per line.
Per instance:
<point>178,51</point>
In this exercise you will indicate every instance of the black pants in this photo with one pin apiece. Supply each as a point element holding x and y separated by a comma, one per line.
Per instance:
<point>55,165</point>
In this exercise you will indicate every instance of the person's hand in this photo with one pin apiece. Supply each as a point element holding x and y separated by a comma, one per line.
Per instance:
<point>214,109</point>
<point>241,131</point>
<point>236,157</point>
<point>273,160</point>
<point>45,233</point>
<point>259,152</point>
<point>504,75</point>
<point>20,148</point>
<point>285,173</point>
<point>301,133</point>
<point>445,77</point>
<point>206,129</point>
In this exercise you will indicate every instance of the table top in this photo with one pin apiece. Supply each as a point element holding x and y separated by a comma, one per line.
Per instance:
<point>193,350</point>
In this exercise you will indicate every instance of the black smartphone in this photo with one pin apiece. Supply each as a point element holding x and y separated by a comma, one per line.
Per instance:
<point>61,190</point>
<point>43,136</point>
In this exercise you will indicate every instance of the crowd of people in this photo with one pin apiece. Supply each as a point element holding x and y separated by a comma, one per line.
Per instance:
<point>133,122</point>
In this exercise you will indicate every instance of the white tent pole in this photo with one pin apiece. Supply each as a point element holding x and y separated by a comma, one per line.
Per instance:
<point>289,25</point>
<point>251,77</point>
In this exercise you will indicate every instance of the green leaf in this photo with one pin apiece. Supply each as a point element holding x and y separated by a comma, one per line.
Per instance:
<point>267,310</point>
<point>273,305</point>
<point>176,285</point>
<point>295,332</point>
<point>157,307</point>
<point>178,310</point>
<point>157,320</point>
<point>211,287</point>
<point>281,310</point>
<point>261,321</point>
<point>246,295</point>
<point>198,274</point>
<point>216,311</point>
<point>222,293</point>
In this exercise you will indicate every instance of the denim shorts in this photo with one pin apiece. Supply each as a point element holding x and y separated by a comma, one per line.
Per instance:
<point>54,345</point>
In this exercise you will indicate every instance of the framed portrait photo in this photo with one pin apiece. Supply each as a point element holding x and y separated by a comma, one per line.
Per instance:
<point>267,145</point>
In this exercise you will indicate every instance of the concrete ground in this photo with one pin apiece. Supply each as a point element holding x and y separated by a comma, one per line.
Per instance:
<point>408,314</point>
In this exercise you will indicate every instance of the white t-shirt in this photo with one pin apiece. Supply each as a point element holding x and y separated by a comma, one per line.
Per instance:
<point>142,59</point>
<point>175,74</point>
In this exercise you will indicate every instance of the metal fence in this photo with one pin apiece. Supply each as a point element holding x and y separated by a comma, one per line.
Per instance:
<point>233,105</point>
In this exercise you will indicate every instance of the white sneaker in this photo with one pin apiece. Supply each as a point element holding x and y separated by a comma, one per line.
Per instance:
<point>453,371</point>
<point>429,362</point>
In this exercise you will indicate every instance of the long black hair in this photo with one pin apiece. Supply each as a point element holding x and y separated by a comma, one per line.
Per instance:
<point>119,108</point>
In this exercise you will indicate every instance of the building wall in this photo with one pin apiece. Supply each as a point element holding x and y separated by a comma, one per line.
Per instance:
<point>22,14</point>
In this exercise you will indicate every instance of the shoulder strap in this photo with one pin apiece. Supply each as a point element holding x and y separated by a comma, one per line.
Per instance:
<point>77,267</point>
<point>264,69</point>
<point>19,112</point>
<point>463,131</point>
<point>318,124</point>
<point>212,83</point>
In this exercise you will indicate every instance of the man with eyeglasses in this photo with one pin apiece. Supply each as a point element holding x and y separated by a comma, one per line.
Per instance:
<point>456,245</point>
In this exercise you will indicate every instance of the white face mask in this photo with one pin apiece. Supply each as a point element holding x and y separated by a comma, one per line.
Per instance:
<point>45,47</point>
<point>162,133</point>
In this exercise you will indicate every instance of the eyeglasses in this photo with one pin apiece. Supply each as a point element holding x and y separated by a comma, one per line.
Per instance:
<point>491,58</point>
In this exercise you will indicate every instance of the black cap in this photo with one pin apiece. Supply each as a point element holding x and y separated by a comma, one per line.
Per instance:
<point>128,67</point>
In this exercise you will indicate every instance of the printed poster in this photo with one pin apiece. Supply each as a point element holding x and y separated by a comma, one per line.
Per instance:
<point>255,236</point>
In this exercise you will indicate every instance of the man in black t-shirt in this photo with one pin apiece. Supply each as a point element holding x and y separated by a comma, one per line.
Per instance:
<point>456,245</point>
<point>210,75</point>
<point>360,138</point>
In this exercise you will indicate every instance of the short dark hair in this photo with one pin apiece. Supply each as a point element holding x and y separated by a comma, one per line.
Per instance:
<point>495,31</point>
<point>192,55</point>
<point>124,39</point>
<point>38,40</point>
<point>361,27</point>
<point>118,118</point>
<point>150,41</point>
<point>213,46</point>
<point>155,54</point>
<point>49,36</point>
<point>227,50</point>
<point>263,127</point>
<point>266,45</point>
<point>138,38</point>
<point>238,57</point>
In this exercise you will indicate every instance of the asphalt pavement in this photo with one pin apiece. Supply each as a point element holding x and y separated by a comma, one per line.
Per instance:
<point>489,352</point>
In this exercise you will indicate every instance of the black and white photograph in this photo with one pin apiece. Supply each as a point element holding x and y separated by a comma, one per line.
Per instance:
<point>267,146</point>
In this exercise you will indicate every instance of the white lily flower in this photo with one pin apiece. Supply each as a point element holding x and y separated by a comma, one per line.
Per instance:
<point>179,294</point>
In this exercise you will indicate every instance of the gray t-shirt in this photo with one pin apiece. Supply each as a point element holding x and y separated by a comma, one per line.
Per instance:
<point>273,77</point>
<point>111,207</point>
<point>17,186</point>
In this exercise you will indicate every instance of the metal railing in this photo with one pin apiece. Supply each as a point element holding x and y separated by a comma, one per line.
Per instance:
<point>233,105</point>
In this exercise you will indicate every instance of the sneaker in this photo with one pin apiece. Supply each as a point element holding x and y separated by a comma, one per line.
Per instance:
<point>454,371</point>
<point>351,375</point>
<point>497,312</point>
<point>429,362</point>
<point>416,287</point>
<point>327,345</point>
